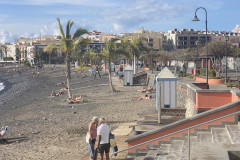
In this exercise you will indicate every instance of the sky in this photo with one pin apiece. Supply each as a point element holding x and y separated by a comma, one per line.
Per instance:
<point>35,18</point>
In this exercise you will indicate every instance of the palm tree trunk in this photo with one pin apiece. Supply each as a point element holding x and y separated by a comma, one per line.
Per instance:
<point>49,59</point>
<point>134,64</point>
<point>110,78</point>
<point>68,74</point>
<point>175,70</point>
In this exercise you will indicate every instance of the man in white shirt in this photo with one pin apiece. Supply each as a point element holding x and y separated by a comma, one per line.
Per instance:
<point>103,138</point>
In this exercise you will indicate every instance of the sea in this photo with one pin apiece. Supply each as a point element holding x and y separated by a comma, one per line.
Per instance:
<point>1,86</point>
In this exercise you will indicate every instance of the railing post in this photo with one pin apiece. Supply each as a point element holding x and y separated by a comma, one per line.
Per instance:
<point>188,144</point>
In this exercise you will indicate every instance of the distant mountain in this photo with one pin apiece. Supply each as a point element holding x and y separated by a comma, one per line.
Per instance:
<point>6,36</point>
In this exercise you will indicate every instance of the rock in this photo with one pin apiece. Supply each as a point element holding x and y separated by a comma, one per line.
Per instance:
<point>74,112</point>
<point>44,118</point>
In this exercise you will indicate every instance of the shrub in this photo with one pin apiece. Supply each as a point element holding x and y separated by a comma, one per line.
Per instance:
<point>8,59</point>
<point>203,71</point>
<point>212,73</point>
<point>26,63</point>
<point>146,65</point>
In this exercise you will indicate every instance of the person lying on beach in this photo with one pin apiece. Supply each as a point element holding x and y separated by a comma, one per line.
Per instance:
<point>145,97</point>
<point>3,131</point>
<point>149,89</point>
<point>53,94</point>
<point>60,83</point>
<point>75,99</point>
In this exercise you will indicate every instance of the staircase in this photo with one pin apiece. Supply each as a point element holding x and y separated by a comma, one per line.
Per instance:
<point>205,144</point>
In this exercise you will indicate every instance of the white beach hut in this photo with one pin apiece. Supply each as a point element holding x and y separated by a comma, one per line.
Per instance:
<point>166,89</point>
<point>128,76</point>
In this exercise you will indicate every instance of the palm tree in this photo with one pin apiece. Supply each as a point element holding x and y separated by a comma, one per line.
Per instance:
<point>136,46</point>
<point>93,56</point>
<point>51,49</point>
<point>69,42</point>
<point>111,52</point>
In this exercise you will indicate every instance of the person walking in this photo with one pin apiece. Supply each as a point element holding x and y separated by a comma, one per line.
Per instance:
<point>97,72</point>
<point>103,132</point>
<point>92,129</point>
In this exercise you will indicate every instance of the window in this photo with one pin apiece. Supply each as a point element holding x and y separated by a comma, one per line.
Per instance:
<point>192,38</point>
<point>180,38</point>
<point>185,38</point>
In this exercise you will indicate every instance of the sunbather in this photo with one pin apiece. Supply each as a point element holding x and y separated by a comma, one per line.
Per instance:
<point>53,94</point>
<point>142,98</point>
<point>149,89</point>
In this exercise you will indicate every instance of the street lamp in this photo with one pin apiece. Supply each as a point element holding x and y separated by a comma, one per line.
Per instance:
<point>226,39</point>
<point>196,19</point>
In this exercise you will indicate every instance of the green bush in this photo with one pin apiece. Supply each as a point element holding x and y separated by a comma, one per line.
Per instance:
<point>8,59</point>
<point>26,63</point>
<point>189,75</point>
<point>146,65</point>
<point>211,73</point>
<point>203,71</point>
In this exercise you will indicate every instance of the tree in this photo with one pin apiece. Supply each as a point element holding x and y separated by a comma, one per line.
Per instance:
<point>93,56</point>
<point>51,49</point>
<point>69,42</point>
<point>18,54</point>
<point>111,52</point>
<point>218,50</point>
<point>135,47</point>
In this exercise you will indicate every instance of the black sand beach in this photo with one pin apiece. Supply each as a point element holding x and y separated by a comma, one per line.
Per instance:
<point>49,128</point>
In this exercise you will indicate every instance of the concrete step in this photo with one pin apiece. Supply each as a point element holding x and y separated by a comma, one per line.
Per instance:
<point>234,133</point>
<point>163,151</point>
<point>175,150</point>
<point>220,135</point>
<point>204,137</point>
<point>193,141</point>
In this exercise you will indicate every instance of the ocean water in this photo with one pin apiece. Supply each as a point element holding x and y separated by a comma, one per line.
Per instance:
<point>1,86</point>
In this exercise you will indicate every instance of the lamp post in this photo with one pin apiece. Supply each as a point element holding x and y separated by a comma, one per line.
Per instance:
<point>196,19</point>
<point>226,39</point>
<point>195,61</point>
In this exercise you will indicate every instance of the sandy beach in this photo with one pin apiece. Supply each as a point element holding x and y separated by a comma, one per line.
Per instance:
<point>49,128</point>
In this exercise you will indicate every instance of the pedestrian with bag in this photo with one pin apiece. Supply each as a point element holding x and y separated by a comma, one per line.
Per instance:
<point>92,129</point>
<point>103,132</point>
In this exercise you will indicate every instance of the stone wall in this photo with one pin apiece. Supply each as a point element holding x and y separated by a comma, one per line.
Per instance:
<point>140,78</point>
<point>181,95</point>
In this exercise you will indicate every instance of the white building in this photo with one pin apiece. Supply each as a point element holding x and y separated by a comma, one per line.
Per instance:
<point>8,50</point>
<point>185,38</point>
<point>94,36</point>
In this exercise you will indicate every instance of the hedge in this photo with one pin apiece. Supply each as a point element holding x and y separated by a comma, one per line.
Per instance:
<point>8,59</point>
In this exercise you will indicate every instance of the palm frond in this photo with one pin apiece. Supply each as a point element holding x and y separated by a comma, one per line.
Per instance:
<point>68,34</point>
<point>60,27</point>
<point>79,33</point>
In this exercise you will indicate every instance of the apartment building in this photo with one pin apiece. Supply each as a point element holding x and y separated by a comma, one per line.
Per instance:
<point>7,50</point>
<point>107,37</point>
<point>186,38</point>
<point>26,45</point>
<point>222,36</point>
<point>94,36</point>
<point>155,40</point>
